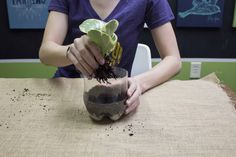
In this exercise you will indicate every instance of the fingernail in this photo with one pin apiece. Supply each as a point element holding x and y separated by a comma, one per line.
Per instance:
<point>102,61</point>
<point>130,93</point>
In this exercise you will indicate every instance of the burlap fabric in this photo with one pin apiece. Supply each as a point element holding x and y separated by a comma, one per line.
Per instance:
<point>47,117</point>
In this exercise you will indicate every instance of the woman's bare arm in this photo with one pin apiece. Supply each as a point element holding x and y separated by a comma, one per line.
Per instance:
<point>166,44</point>
<point>52,52</point>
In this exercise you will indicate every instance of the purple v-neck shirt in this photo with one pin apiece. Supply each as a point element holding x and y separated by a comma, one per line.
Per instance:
<point>131,14</point>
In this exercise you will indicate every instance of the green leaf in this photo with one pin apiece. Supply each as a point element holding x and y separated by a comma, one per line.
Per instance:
<point>110,27</point>
<point>91,24</point>
<point>101,33</point>
<point>105,42</point>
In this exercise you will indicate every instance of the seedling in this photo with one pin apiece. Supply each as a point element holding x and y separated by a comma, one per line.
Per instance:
<point>103,35</point>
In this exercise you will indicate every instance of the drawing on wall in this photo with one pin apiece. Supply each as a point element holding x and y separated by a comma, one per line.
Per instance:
<point>24,14</point>
<point>234,20</point>
<point>200,13</point>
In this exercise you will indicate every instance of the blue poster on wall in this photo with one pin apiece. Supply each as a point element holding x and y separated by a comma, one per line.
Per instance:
<point>27,14</point>
<point>200,13</point>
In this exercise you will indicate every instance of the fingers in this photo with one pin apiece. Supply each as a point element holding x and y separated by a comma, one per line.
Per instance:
<point>74,60</point>
<point>134,93</point>
<point>82,46</point>
<point>94,50</point>
<point>132,107</point>
<point>88,58</point>
<point>81,64</point>
<point>133,98</point>
<point>132,88</point>
<point>85,55</point>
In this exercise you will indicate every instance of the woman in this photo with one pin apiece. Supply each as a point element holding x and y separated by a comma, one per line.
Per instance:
<point>64,46</point>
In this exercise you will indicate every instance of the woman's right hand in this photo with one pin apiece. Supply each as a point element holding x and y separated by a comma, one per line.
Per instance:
<point>85,55</point>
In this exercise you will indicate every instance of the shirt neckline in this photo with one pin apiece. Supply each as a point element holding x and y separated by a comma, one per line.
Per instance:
<point>95,14</point>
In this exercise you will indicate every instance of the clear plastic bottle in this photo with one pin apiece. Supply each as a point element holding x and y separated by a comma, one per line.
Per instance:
<point>106,99</point>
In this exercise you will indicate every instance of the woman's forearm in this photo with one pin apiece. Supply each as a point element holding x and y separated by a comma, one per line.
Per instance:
<point>162,72</point>
<point>53,54</point>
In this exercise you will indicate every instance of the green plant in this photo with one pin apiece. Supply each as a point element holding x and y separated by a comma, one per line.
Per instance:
<point>103,35</point>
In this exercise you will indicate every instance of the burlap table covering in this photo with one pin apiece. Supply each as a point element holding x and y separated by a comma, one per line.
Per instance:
<point>47,117</point>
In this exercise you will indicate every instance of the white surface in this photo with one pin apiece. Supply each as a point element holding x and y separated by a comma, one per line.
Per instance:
<point>195,70</point>
<point>142,61</point>
<point>200,60</point>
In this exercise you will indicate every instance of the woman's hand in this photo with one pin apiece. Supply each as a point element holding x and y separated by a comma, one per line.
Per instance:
<point>134,92</point>
<point>85,55</point>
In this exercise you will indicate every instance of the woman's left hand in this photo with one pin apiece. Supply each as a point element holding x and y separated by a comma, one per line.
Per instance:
<point>134,92</point>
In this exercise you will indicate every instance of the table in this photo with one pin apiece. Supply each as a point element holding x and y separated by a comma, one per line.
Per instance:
<point>47,117</point>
